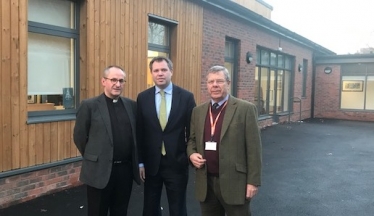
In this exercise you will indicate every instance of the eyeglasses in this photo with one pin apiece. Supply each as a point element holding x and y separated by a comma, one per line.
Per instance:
<point>114,80</point>
<point>211,82</point>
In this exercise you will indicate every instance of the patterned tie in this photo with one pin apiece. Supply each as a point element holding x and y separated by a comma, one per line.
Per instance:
<point>163,117</point>
<point>215,106</point>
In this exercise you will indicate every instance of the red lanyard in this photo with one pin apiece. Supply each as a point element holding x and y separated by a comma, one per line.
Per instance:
<point>214,123</point>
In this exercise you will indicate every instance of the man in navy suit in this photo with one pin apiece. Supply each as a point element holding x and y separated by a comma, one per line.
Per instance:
<point>163,126</point>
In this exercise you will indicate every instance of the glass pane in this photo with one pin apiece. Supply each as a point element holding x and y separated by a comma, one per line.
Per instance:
<point>158,34</point>
<point>264,57</point>
<point>286,90</point>
<point>279,91</point>
<point>305,77</point>
<point>352,92</point>
<point>151,55</point>
<point>258,53</point>
<point>370,93</point>
<point>273,59</point>
<point>51,73</point>
<point>229,49</point>
<point>258,94</point>
<point>280,61</point>
<point>287,62</point>
<point>52,12</point>
<point>264,90</point>
<point>230,68</point>
<point>272,92</point>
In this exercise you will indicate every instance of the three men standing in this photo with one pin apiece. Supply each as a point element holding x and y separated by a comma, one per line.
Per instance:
<point>224,145</point>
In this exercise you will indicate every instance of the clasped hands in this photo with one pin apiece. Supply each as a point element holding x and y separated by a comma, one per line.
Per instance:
<point>197,160</point>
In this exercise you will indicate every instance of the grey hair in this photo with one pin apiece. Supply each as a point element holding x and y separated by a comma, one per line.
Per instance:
<point>217,69</point>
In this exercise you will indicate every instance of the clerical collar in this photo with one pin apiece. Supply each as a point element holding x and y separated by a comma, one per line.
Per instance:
<point>113,100</point>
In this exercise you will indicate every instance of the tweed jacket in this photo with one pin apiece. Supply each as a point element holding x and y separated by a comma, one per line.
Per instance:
<point>239,150</point>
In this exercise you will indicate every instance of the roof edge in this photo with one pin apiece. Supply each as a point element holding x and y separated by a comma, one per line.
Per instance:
<point>260,21</point>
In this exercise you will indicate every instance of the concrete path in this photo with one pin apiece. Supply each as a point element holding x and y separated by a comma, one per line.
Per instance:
<point>318,167</point>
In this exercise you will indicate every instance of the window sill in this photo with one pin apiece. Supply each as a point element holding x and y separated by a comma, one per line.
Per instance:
<point>264,117</point>
<point>51,118</point>
<point>284,113</point>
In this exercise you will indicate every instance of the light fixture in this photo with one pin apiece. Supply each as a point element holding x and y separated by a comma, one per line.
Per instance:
<point>328,70</point>
<point>248,57</point>
<point>300,67</point>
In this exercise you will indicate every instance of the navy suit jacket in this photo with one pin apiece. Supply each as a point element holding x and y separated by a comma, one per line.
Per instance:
<point>150,134</point>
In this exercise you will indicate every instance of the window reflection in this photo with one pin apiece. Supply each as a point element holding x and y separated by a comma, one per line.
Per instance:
<point>158,34</point>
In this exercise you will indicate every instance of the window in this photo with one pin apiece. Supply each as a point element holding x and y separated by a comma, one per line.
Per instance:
<point>52,57</point>
<point>159,37</point>
<point>231,63</point>
<point>357,92</point>
<point>357,87</point>
<point>305,76</point>
<point>272,82</point>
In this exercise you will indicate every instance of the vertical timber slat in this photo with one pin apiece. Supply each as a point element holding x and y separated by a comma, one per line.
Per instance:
<point>6,86</point>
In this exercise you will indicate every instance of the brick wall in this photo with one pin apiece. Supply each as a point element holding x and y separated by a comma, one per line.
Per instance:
<point>23,187</point>
<point>327,98</point>
<point>218,25</point>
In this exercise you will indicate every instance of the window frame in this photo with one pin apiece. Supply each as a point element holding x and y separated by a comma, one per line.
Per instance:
<point>47,29</point>
<point>234,61</point>
<point>170,24</point>
<point>305,77</point>
<point>349,70</point>
<point>260,64</point>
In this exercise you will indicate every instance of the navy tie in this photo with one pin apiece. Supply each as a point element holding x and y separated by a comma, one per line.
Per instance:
<point>215,106</point>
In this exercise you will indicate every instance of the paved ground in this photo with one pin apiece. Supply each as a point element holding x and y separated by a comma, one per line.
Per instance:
<point>319,168</point>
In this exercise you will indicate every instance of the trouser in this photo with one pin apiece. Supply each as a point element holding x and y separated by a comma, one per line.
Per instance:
<point>214,205</point>
<point>115,197</point>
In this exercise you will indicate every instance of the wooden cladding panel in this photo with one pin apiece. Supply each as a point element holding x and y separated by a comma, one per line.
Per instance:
<point>117,33</point>
<point>39,144</point>
<point>17,153</point>
<point>111,32</point>
<point>2,152</point>
<point>48,141</point>
<point>15,75</point>
<point>6,85</point>
<point>28,154</point>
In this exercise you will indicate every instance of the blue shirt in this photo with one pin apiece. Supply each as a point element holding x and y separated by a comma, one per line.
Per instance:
<point>220,102</point>
<point>168,96</point>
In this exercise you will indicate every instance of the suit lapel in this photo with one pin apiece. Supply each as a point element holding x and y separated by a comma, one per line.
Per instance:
<point>151,104</point>
<point>101,103</point>
<point>229,113</point>
<point>174,105</point>
<point>200,124</point>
